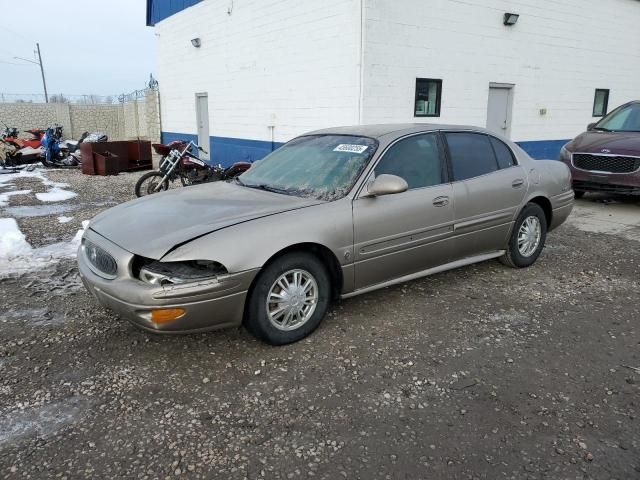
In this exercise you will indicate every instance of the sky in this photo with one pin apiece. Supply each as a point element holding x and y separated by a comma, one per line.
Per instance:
<point>88,46</point>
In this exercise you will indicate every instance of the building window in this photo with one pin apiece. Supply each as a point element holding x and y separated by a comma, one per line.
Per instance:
<point>601,102</point>
<point>428,93</point>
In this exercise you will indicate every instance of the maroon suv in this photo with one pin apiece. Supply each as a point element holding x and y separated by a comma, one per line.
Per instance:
<point>606,158</point>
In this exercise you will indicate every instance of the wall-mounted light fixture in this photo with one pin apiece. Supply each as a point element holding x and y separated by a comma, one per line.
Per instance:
<point>511,19</point>
<point>196,42</point>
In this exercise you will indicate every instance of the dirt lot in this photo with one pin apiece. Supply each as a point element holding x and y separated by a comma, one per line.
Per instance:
<point>483,372</point>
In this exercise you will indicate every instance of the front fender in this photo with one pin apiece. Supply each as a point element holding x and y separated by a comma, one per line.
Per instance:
<point>251,244</point>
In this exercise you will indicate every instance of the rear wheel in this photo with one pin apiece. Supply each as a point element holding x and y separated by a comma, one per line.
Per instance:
<point>150,183</point>
<point>289,299</point>
<point>527,238</point>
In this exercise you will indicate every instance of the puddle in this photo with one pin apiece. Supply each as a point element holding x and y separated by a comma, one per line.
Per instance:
<point>41,421</point>
<point>39,210</point>
<point>39,317</point>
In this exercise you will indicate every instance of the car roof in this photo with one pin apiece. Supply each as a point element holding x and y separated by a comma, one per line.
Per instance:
<point>394,129</point>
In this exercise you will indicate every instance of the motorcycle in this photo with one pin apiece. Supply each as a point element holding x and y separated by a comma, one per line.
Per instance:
<point>59,153</point>
<point>179,163</point>
<point>20,151</point>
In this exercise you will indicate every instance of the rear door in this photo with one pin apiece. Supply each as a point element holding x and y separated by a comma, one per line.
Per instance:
<point>404,233</point>
<point>489,188</point>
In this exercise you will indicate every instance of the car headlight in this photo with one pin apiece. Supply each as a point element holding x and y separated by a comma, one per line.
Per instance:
<point>565,155</point>
<point>154,272</point>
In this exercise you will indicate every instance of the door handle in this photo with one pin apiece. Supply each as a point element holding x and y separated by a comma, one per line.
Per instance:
<point>441,201</point>
<point>517,183</point>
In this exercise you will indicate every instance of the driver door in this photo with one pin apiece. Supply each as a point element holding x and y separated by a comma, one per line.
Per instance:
<point>404,233</point>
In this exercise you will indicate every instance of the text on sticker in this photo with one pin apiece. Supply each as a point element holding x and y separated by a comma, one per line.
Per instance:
<point>343,147</point>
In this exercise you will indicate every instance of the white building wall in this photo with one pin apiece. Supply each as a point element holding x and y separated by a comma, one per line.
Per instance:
<point>290,63</point>
<point>557,54</point>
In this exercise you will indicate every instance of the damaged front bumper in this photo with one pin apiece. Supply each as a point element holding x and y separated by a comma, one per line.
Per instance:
<point>208,304</point>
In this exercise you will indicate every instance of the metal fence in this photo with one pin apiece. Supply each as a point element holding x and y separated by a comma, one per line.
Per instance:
<point>88,99</point>
<point>82,99</point>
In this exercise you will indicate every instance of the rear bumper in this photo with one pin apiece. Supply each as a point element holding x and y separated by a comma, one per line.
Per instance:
<point>561,205</point>
<point>208,305</point>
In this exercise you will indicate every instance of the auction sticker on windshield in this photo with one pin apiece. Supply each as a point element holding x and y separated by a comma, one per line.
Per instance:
<point>343,147</point>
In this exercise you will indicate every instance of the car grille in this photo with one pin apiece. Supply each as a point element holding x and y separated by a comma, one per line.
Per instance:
<point>100,259</point>
<point>606,163</point>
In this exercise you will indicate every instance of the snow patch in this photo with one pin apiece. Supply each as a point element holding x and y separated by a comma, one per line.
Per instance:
<point>17,256</point>
<point>64,219</point>
<point>56,194</point>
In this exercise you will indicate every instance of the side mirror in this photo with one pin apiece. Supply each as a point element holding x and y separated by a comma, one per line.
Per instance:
<point>386,185</point>
<point>590,126</point>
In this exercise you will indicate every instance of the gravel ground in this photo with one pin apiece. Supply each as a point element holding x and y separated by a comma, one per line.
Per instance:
<point>483,372</point>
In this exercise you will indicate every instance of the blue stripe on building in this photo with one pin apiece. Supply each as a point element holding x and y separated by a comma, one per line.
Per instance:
<point>227,150</point>
<point>543,149</point>
<point>158,10</point>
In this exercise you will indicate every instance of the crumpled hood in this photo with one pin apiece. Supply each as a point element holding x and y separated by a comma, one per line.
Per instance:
<point>151,226</point>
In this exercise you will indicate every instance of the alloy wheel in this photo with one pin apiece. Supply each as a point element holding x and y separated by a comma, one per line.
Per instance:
<point>529,236</point>
<point>292,299</point>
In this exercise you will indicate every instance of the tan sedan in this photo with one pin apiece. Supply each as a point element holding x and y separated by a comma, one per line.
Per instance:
<point>334,213</point>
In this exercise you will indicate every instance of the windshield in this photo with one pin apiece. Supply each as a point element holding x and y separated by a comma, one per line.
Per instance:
<point>625,119</point>
<point>323,167</point>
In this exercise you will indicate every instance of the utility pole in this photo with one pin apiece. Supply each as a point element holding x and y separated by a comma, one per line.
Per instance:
<point>39,63</point>
<point>44,82</point>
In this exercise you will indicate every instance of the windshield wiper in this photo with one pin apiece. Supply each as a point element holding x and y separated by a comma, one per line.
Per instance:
<point>602,129</point>
<point>266,188</point>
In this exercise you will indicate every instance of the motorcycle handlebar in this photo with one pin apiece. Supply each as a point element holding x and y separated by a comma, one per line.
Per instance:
<point>202,150</point>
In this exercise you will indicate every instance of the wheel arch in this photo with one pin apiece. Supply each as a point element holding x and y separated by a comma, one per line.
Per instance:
<point>321,252</point>
<point>544,203</point>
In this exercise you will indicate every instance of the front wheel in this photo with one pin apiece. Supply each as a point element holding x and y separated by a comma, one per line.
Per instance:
<point>151,183</point>
<point>527,238</point>
<point>289,299</point>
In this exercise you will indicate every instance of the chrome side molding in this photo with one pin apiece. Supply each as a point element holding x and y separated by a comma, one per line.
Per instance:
<point>425,273</point>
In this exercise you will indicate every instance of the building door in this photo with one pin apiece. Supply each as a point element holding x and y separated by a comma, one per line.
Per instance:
<point>499,108</point>
<point>202,119</point>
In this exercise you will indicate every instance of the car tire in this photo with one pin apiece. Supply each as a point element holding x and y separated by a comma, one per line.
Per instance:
<point>578,194</point>
<point>527,237</point>
<point>266,321</point>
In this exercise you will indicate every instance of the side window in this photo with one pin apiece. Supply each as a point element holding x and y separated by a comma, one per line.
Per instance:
<point>417,159</point>
<point>471,155</point>
<point>601,102</point>
<point>503,153</point>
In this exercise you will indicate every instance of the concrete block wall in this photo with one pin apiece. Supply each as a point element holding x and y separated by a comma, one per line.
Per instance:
<point>92,118</point>
<point>25,116</point>
<point>290,64</point>
<point>130,120</point>
<point>296,65</point>
<point>557,54</point>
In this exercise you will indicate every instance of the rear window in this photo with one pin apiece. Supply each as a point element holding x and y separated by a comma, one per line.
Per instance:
<point>503,154</point>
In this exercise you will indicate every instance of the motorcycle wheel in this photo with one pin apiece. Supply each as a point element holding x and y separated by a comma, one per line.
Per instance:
<point>149,183</point>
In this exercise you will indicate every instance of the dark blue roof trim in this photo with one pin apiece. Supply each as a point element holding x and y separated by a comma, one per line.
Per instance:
<point>158,10</point>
